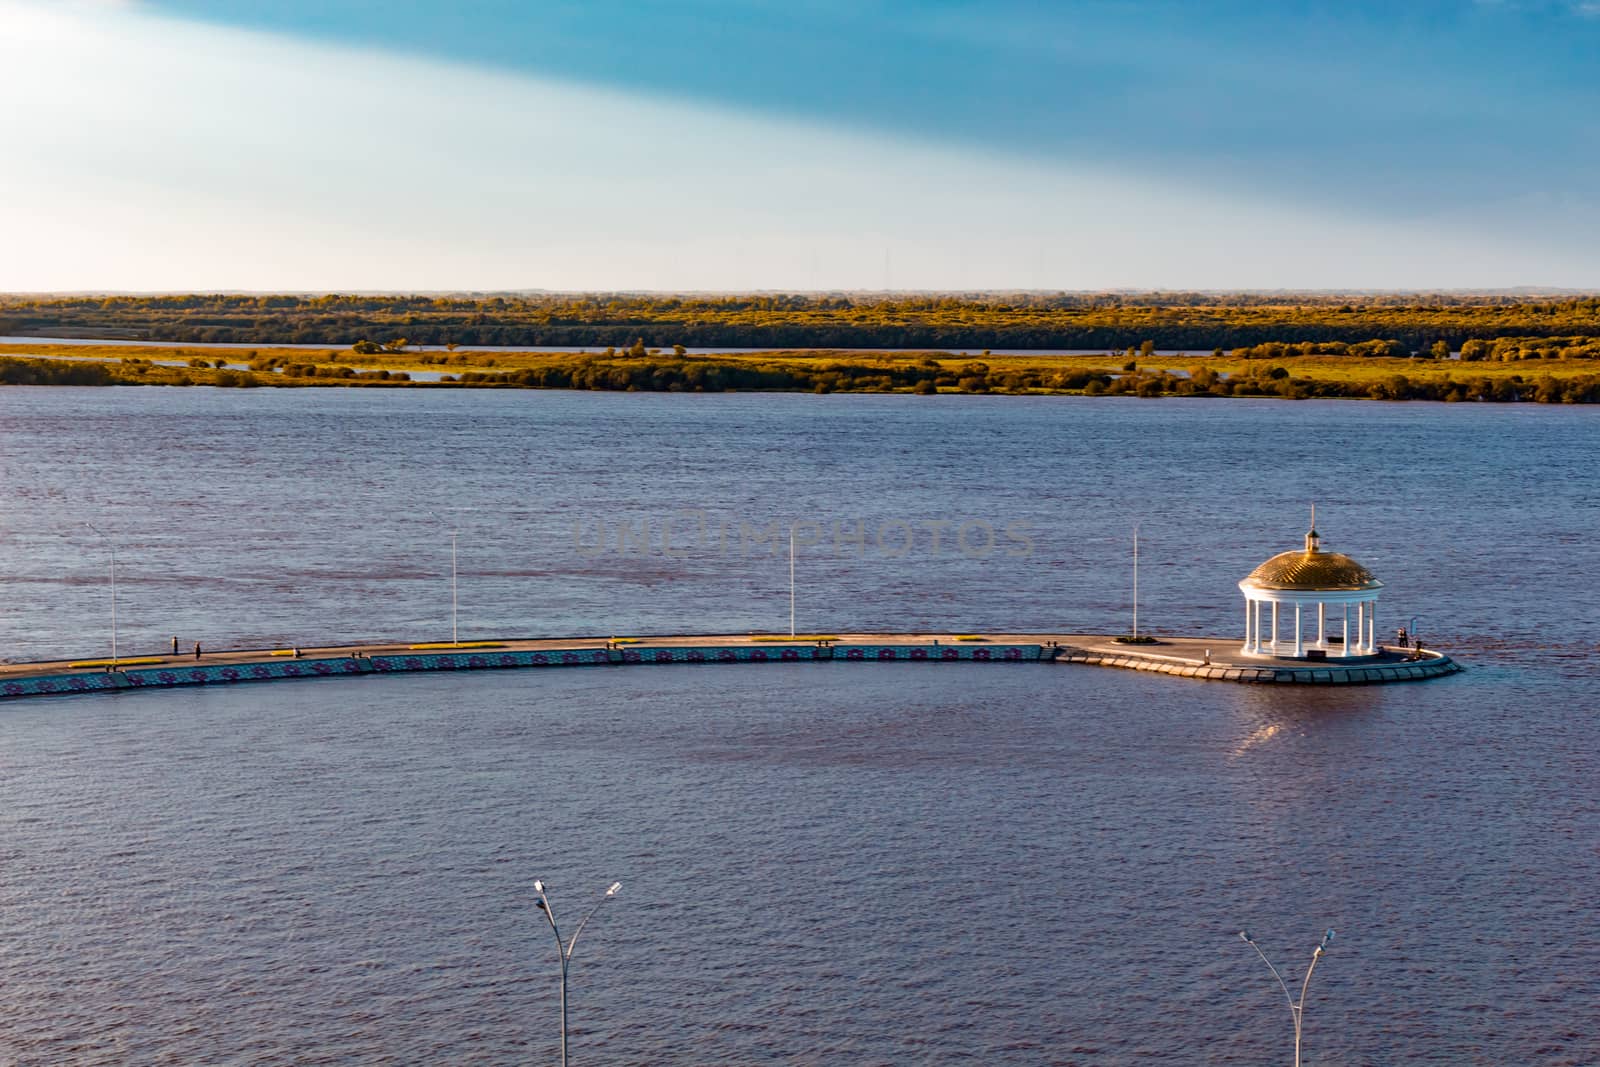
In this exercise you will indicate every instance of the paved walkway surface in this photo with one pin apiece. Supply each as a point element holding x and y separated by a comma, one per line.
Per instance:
<point>1225,652</point>
<point>1181,651</point>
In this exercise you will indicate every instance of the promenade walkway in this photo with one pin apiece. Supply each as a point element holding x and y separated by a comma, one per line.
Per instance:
<point>1215,659</point>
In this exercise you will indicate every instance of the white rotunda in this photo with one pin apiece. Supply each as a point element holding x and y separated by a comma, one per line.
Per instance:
<point>1304,581</point>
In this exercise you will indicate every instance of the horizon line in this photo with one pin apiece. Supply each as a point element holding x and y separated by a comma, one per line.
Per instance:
<point>1516,290</point>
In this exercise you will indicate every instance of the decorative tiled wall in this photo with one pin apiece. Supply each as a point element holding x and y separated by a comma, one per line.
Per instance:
<point>310,667</point>
<point>1435,666</point>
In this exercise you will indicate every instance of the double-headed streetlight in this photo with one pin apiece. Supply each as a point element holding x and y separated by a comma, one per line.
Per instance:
<point>112,545</point>
<point>564,949</point>
<point>1295,1009</point>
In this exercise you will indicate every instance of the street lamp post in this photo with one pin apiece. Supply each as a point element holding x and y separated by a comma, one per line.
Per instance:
<point>564,949</point>
<point>112,545</point>
<point>1297,1010</point>
<point>455,631</point>
<point>1136,581</point>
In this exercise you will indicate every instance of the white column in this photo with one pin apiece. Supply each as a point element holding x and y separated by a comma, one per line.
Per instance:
<point>1247,624</point>
<point>1361,627</point>
<point>1345,651</point>
<point>1322,625</point>
<point>1274,627</point>
<point>1299,647</point>
<point>1372,626</point>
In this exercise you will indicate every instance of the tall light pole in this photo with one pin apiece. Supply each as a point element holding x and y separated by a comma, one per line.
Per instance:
<point>455,633</point>
<point>791,580</point>
<point>1295,1009</point>
<point>112,545</point>
<point>1136,581</point>
<point>564,949</point>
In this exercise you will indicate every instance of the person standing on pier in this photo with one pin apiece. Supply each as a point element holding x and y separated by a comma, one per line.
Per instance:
<point>197,650</point>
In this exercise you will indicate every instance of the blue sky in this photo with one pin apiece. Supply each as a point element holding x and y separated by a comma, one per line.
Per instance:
<point>708,144</point>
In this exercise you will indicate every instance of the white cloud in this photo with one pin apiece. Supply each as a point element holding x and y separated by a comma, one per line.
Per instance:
<point>163,155</point>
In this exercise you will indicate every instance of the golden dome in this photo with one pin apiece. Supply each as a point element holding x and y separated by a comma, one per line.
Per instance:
<point>1311,569</point>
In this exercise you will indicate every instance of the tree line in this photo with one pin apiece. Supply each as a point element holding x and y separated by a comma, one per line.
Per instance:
<point>1108,321</point>
<point>927,375</point>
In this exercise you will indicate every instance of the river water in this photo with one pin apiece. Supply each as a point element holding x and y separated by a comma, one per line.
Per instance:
<point>871,864</point>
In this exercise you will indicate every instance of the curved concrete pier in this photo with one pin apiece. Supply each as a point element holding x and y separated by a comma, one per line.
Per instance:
<point>1220,660</point>
<point>1215,659</point>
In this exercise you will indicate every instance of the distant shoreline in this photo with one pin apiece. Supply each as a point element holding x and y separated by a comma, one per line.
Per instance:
<point>1407,324</point>
<point>1146,375</point>
<point>92,343</point>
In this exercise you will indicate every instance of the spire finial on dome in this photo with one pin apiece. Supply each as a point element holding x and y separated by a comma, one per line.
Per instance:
<point>1313,539</point>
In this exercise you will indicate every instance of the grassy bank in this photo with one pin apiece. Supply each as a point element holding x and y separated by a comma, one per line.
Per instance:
<point>1291,377</point>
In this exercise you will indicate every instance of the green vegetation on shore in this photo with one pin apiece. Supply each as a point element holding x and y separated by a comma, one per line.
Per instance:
<point>1370,347</point>
<point>1105,321</point>
<point>1513,375</point>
